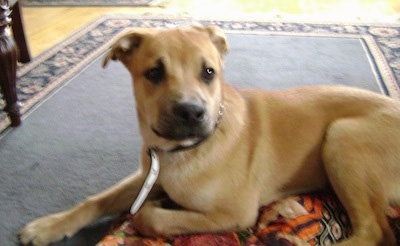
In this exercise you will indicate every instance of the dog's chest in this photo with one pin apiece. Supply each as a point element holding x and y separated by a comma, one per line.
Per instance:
<point>187,186</point>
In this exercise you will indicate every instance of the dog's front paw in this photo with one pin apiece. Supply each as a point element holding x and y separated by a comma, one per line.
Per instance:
<point>46,230</point>
<point>145,221</point>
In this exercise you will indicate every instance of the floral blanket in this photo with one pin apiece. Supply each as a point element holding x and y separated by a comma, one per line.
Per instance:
<point>308,219</point>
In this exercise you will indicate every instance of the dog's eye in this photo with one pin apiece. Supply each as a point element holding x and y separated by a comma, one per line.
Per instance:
<point>155,74</point>
<point>207,74</point>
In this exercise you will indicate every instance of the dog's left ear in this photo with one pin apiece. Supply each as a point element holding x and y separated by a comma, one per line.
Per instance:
<point>217,36</point>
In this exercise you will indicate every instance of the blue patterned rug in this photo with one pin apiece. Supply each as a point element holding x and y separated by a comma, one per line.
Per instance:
<point>55,67</point>
<point>91,3</point>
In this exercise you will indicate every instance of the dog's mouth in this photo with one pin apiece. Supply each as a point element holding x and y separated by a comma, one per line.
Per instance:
<point>177,131</point>
<point>186,137</point>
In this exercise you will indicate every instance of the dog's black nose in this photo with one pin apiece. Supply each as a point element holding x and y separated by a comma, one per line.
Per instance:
<point>189,113</point>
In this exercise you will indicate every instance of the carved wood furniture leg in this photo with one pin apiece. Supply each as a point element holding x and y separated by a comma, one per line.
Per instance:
<point>8,66</point>
<point>19,34</point>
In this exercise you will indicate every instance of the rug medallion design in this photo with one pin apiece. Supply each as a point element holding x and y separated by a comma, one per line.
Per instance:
<point>58,65</point>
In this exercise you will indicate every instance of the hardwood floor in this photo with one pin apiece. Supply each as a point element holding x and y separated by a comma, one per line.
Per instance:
<point>45,26</point>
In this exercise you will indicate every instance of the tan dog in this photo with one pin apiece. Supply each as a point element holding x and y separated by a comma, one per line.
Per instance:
<point>225,152</point>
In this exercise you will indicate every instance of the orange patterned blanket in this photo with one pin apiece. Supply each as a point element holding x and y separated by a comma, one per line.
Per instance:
<point>308,219</point>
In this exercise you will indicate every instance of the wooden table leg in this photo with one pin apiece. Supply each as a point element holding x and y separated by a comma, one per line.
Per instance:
<point>19,34</point>
<point>8,66</point>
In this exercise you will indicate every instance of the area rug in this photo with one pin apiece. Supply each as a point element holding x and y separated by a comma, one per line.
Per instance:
<point>81,135</point>
<point>138,3</point>
<point>52,68</point>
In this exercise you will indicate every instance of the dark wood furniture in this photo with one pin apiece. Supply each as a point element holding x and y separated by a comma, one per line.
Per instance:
<point>13,48</point>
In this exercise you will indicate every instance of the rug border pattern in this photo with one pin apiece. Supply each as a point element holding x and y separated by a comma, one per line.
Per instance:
<point>382,41</point>
<point>39,3</point>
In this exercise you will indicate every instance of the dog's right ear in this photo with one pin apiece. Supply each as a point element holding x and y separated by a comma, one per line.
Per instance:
<point>217,36</point>
<point>124,48</point>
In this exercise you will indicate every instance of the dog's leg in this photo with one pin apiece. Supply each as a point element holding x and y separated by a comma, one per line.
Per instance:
<point>355,164</point>
<point>55,227</point>
<point>153,220</point>
<point>114,200</point>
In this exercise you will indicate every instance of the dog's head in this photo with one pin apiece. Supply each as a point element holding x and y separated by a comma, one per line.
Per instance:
<point>177,76</point>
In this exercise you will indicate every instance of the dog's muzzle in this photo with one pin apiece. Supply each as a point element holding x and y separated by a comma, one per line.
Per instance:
<point>191,123</point>
<point>184,121</point>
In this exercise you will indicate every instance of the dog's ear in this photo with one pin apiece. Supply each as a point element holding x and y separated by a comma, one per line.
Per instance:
<point>217,36</point>
<point>124,47</point>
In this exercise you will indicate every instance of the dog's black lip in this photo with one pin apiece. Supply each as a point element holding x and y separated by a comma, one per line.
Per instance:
<point>159,134</point>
